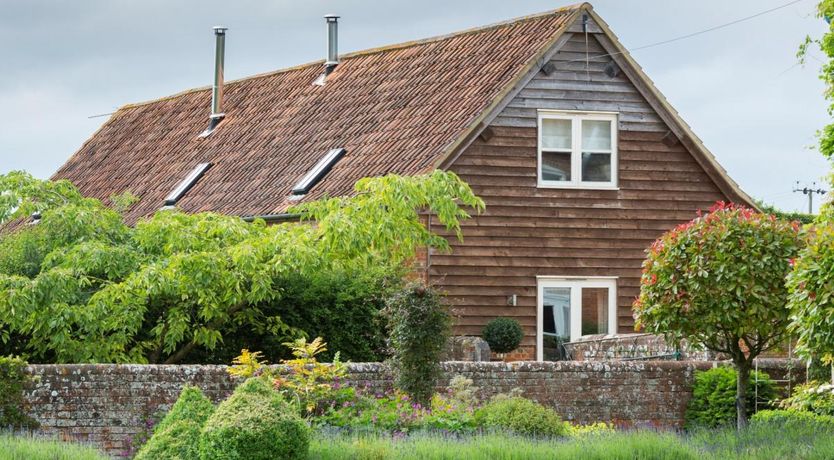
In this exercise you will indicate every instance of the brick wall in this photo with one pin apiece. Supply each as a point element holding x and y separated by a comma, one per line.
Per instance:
<point>108,404</point>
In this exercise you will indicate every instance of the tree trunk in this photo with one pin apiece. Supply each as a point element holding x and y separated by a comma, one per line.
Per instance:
<point>742,383</point>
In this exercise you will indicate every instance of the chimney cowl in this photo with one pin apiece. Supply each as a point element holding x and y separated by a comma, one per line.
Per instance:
<point>332,40</point>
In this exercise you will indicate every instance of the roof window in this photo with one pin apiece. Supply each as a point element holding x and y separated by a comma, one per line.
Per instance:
<point>318,172</point>
<point>186,184</point>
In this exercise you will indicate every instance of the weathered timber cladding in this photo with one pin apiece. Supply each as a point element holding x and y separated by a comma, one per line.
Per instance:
<point>528,231</point>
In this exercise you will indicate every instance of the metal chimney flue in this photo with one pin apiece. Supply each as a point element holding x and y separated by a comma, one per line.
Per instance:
<point>217,113</point>
<point>332,41</point>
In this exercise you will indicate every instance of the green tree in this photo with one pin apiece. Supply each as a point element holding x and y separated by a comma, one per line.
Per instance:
<point>719,282</point>
<point>81,286</point>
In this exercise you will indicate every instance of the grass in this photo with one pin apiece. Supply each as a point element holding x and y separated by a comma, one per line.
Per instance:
<point>757,443</point>
<point>760,442</point>
<point>28,448</point>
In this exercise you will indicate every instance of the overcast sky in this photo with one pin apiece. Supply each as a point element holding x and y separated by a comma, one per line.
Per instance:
<point>740,87</point>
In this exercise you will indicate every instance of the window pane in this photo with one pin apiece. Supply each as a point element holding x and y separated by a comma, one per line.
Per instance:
<point>596,135</point>
<point>556,134</point>
<point>556,322</point>
<point>594,311</point>
<point>557,312</point>
<point>596,167</point>
<point>556,166</point>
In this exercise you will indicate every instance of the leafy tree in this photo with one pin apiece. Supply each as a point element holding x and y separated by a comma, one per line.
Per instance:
<point>719,281</point>
<point>81,286</point>
<point>811,300</point>
<point>825,10</point>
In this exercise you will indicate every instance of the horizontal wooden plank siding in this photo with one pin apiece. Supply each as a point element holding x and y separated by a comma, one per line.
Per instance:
<point>559,232</point>
<point>528,231</point>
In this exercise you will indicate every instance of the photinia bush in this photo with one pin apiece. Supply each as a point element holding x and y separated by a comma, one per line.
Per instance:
<point>719,282</point>
<point>811,301</point>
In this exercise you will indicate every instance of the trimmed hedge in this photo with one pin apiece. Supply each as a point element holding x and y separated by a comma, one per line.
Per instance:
<point>177,435</point>
<point>520,416</point>
<point>793,419</point>
<point>503,335</point>
<point>255,423</point>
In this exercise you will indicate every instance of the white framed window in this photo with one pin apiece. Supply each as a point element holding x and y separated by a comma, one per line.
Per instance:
<point>569,308</point>
<point>577,149</point>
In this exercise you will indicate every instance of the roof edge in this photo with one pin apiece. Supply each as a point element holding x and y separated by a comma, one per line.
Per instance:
<point>369,51</point>
<point>723,180</point>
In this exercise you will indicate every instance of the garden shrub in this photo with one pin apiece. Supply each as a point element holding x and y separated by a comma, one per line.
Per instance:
<point>255,423</point>
<point>520,416</point>
<point>713,402</point>
<point>503,335</point>
<point>812,397</point>
<point>12,379</point>
<point>792,419</point>
<point>177,436</point>
<point>419,327</point>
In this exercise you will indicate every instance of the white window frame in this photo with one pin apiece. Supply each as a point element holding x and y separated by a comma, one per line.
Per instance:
<point>576,118</point>
<point>576,284</point>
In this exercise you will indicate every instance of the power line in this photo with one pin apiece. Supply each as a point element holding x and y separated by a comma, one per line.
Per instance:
<point>810,191</point>
<point>700,32</point>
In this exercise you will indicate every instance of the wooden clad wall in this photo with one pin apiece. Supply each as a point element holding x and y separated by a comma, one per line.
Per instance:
<point>528,231</point>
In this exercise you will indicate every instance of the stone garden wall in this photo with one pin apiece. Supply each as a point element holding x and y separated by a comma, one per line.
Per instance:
<point>109,405</point>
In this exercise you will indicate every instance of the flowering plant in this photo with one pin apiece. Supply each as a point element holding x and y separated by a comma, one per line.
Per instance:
<point>719,282</point>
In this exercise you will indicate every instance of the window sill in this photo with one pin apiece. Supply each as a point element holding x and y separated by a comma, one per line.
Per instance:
<point>578,186</point>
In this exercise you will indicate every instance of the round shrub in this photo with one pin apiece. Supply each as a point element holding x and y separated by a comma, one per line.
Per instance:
<point>178,434</point>
<point>503,335</point>
<point>713,402</point>
<point>520,416</point>
<point>255,423</point>
<point>812,397</point>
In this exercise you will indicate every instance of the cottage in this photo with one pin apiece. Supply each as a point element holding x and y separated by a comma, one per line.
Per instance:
<point>581,161</point>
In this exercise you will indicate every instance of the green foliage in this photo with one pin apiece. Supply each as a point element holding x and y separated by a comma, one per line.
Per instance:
<point>825,10</point>
<point>713,402</point>
<point>308,381</point>
<point>811,397</point>
<point>33,448</point>
<point>419,326</point>
<point>801,217</point>
<point>12,379</point>
<point>177,435</point>
<point>719,282</point>
<point>255,423</point>
<point>792,419</point>
<point>81,286</point>
<point>811,300</point>
<point>503,334</point>
<point>22,195</point>
<point>520,416</point>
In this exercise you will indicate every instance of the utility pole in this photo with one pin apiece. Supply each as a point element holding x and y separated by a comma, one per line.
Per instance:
<point>810,191</point>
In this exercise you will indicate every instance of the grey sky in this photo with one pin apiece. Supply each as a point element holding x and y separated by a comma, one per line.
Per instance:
<point>739,87</point>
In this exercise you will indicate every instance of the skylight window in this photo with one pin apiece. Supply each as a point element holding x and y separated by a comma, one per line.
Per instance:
<point>318,172</point>
<point>186,184</point>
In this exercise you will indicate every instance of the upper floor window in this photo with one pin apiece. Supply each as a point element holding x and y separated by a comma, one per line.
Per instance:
<point>577,150</point>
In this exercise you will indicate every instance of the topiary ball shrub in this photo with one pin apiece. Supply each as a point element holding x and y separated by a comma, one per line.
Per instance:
<point>713,402</point>
<point>503,335</point>
<point>178,434</point>
<point>520,416</point>
<point>255,423</point>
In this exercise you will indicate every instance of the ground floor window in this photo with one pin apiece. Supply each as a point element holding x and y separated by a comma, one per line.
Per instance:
<point>569,308</point>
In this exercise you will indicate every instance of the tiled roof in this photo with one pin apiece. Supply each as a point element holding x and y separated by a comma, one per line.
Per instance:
<point>395,109</point>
